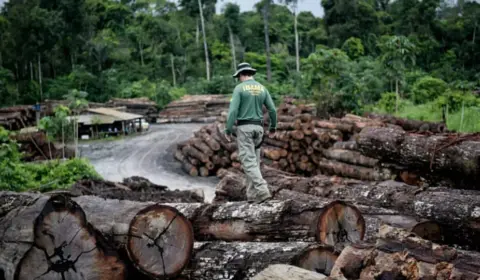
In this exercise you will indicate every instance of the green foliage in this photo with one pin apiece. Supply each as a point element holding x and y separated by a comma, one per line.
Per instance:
<point>18,176</point>
<point>427,88</point>
<point>387,102</point>
<point>155,49</point>
<point>456,99</point>
<point>353,47</point>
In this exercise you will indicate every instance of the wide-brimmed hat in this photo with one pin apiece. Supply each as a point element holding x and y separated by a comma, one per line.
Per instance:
<point>244,67</point>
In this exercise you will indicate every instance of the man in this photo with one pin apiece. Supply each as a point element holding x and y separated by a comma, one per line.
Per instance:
<point>246,109</point>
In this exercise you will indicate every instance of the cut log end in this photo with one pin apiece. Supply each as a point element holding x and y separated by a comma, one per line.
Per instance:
<point>160,241</point>
<point>67,247</point>
<point>428,230</point>
<point>318,259</point>
<point>340,223</point>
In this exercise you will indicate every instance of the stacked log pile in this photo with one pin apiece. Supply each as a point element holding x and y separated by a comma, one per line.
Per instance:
<point>302,145</point>
<point>194,108</point>
<point>36,147</point>
<point>140,106</point>
<point>17,117</point>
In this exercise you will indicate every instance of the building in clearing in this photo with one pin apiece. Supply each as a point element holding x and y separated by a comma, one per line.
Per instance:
<point>108,121</point>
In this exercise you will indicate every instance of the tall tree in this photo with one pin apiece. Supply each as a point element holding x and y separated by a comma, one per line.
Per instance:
<point>231,12</point>
<point>397,53</point>
<point>205,45</point>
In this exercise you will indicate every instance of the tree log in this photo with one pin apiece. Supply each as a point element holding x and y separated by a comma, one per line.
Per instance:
<point>410,125</point>
<point>186,163</point>
<point>160,241</point>
<point>201,146</point>
<point>287,272</point>
<point>332,215</point>
<point>274,153</point>
<point>458,210</point>
<point>193,152</point>
<point>242,261</point>
<point>351,157</point>
<point>375,217</point>
<point>352,171</point>
<point>399,254</point>
<point>204,171</point>
<point>50,238</point>
<point>275,143</point>
<point>327,135</point>
<point>297,134</point>
<point>133,188</point>
<point>212,143</point>
<point>437,154</point>
<point>343,127</point>
<point>346,145</point>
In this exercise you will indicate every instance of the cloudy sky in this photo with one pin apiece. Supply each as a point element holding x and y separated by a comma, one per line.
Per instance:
<point>246,5</point>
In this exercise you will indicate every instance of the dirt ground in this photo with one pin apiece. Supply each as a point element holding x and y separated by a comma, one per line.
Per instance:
<point>149,155</point>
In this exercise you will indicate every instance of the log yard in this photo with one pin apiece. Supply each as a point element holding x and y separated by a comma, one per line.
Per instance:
<point>353,197</point>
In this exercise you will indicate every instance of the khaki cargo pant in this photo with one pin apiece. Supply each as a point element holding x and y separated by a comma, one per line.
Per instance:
<point>249,136</point>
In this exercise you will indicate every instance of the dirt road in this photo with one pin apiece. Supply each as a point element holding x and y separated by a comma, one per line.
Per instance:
<point>149,155</point>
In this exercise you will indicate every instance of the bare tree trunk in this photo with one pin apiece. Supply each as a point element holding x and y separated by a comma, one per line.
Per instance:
<point>72,60</point>
<point>63,141</point>
<point>173,70</point>
<point>267,39</point>
<point>398,96</point>
<point>207,61</point>
<point>297,44</point>
<point>232,44</point>
<point>40,76</point>
<point>31,71</point>
<point>197,34</point>
<point>1,60</point>
<point>140,47</point>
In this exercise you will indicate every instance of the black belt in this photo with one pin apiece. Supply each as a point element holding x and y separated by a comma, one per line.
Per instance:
<point>245,122</point>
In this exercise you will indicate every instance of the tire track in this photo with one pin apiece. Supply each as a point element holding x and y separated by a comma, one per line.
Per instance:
<point>150,156</point>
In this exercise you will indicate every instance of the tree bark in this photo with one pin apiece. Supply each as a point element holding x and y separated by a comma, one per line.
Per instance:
<point>456,211</point>
<point>333,167</point>
<point>435,156</point>
<point>375,217</point>
<point>331,215</point>
<point>287,272</point>
<point>243,260</point>
<point>205,46</point>
<point>351,157</point>
<point>398,254</point>
<point>266,11</point>
<point>410,125</point>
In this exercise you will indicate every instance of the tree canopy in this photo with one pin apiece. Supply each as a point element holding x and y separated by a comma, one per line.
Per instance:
<point>359,51</point>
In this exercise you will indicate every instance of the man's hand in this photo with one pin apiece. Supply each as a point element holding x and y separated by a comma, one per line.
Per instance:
<point>227,136</point>
<point>272,134</point>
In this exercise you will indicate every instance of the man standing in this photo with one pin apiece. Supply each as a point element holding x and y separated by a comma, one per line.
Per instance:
<point>246,109</point>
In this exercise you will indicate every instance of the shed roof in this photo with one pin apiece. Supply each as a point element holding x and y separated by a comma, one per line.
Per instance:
<point>94,119</point>
<point>122,116</point>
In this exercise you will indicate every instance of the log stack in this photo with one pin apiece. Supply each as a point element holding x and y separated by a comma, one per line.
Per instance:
<point>140,106</point>
<point>17,117</point>
<point>194,108</point>
<point>35,146</point>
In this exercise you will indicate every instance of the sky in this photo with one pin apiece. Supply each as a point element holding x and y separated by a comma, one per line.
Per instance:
<point>247,5</point>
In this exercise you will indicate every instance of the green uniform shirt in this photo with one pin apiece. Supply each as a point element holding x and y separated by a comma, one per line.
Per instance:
<point>246,104</point>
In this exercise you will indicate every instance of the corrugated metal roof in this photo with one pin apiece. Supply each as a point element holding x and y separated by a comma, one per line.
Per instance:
<point>94,119</point>
<point>124,116</point>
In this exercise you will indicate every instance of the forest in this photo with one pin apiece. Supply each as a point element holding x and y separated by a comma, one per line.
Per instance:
<point>412,58</point>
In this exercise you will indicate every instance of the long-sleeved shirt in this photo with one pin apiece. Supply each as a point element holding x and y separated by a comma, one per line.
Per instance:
<point>246,104</point>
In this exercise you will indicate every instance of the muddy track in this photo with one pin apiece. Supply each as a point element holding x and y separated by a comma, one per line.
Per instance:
<point>149,155</point>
